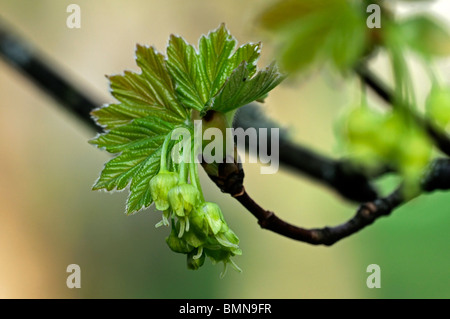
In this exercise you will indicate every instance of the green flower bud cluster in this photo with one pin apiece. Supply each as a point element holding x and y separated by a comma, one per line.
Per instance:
<point>198,228</point>
<point>375,139</point>
<point>208,235</point>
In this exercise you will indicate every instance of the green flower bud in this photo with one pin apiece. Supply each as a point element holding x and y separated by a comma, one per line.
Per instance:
<point>210,234</point>
<point>194,237</point>
<point>224,227</point>
<point>414,151</point>
<point>228,239</point>
<point>386,138</point>
<point>183,198</point>
<point>176,244</point>
<point>438,106</point>
<point>201,232</point>
<point>160,185</point>
<point>222,255</point>
<point>361,132</point>
<point>213,216</point>
<point>218,255</point>
<point>231,237</point>
<point>198,221</point>
<point>362,125</point>
<point>413,156</point>
<point>391,130</point>
<point>195,259</point>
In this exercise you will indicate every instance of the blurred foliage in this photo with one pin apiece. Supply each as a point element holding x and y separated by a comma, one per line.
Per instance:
<point>379,140</point>
<point>424,35</point>
<point>438,106</point>
<point>311,32</point>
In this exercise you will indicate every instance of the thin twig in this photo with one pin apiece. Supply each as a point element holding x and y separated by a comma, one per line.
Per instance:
<point>365,215</point>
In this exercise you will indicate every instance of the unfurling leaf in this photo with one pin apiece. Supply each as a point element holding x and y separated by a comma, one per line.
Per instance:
<point>201,75</point>
<point>240,89</point>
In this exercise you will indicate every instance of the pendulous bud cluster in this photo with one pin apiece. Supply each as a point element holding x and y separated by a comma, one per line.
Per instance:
<point>389,139</point>
<point>198,228</point>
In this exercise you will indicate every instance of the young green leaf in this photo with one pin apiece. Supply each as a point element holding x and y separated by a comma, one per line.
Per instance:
<point>119,171</point>
<point>214,53</point>
<point>140,133</point>
<point>140,195</point>
<point>200,76</point>
<point>137,126</point>
<point>249,53</point>
<point>240,89</point>
<point>150,93</point>
<point>184,67</point>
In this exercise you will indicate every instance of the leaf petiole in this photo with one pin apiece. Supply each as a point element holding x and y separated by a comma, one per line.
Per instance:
<point>164,150</point>
<point>193,170</point>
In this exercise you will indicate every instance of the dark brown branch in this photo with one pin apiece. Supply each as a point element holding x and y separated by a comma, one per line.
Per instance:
<point>19,55</point>
<point>437,177</point>
<point>441,139</point>
<point>366,215</point>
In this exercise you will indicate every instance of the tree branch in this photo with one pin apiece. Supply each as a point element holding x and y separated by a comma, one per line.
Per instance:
<point>441,139</point>
<point>366,215</point>
<point>436,178</point>
<point>18,54</point>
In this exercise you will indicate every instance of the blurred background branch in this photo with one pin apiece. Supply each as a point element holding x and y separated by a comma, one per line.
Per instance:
<point>25,59</point>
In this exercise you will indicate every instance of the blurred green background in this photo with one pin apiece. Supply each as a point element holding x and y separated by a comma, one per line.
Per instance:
<point>50,218</point>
